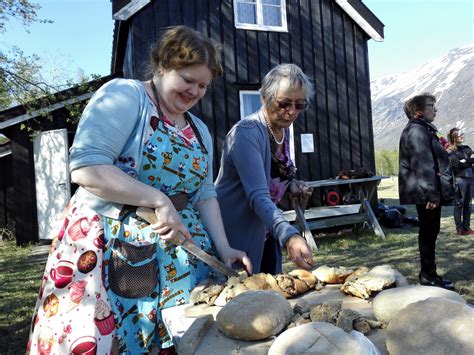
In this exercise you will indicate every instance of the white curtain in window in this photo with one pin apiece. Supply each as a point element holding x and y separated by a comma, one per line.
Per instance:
<point>250,103</point>
<point>271,12</point>
<point>247,11</point>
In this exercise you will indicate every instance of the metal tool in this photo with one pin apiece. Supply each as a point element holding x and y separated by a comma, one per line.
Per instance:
<point>148,215</point>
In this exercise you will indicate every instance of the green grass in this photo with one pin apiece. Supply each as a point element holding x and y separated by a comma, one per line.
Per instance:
<point>19,284</point>
<point>20,277</point>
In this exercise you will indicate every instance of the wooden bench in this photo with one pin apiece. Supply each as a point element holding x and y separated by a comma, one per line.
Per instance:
<point>333,216</point>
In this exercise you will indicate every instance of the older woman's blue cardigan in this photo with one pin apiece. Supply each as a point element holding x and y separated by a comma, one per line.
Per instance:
<point>242,188</point>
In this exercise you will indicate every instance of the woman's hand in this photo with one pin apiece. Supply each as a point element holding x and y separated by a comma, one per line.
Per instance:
<point>432,205</point>
<point>299,188</point>
<point>300,252</point>
<point>231,256</point>
<point>169,223</point>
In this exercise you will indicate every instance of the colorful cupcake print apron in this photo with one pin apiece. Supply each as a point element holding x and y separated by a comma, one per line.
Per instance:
<point>73,313</point>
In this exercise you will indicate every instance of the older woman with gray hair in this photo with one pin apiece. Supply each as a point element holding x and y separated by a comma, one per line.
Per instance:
<point>256,170</point>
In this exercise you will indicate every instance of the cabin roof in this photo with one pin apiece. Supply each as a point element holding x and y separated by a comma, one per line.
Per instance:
<point>365,18</point>
<point>58,100</point>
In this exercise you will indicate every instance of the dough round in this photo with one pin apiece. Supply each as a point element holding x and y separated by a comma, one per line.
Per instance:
<point>254,315</point>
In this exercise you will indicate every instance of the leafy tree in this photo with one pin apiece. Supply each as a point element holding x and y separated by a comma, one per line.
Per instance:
<point>22,10</point>
<point>20,75</point>
<point>21,79</point>
<point>386,162</point>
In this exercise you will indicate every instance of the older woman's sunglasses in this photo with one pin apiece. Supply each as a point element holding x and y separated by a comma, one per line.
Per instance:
<point>298,105</point>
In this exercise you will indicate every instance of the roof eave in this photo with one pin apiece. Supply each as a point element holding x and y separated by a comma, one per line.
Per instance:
<point>369,23</point>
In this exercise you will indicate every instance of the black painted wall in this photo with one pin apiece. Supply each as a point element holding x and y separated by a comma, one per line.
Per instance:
<point>325,42</point>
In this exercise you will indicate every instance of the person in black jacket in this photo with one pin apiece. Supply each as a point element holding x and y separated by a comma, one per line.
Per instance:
<point>425,179</point>
<point>462,159</point>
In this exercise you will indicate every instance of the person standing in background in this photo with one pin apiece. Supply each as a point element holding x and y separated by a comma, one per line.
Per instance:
<point>462,159</point>
<point>425,179</point>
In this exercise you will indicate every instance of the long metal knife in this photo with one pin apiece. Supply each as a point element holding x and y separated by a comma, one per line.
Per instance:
<point>148,215</point>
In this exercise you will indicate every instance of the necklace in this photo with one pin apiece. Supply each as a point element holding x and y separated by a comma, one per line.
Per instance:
<point>273,134</point>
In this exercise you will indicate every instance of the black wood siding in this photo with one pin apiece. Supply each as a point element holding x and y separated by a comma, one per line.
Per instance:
<point>6,192</point>
<point>325,42</point>
<point>23,174</point>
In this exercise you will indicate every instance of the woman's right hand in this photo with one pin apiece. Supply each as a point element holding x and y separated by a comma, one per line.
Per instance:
<point>299,252</point>
<point>169,223</point>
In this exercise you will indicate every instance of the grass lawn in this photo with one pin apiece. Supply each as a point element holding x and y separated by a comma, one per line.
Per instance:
<point>19,285</point>
<point>20,278</point>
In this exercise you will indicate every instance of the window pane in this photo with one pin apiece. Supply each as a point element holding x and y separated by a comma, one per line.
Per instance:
<point>272,15</point>
<point>251,103</point>
<point>247,13</point>
<point>271,2</point>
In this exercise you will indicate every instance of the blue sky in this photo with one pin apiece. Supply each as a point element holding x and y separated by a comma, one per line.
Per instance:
<point>80,37</point>
<point>416,31</point>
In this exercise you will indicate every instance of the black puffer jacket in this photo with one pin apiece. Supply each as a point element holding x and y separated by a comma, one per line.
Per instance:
<point>462,169</point>
<point>422,157</point>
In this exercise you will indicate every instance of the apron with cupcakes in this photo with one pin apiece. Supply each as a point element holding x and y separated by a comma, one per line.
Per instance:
<point>73,313</point>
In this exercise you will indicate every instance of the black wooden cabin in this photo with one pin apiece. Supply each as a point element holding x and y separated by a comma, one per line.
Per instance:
<point>18,202</point>
<point>326,38</point>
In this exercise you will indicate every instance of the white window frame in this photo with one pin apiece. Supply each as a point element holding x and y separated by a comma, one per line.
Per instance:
<point>242,115</point>
<point>259,25</point>
<point>241,99</point>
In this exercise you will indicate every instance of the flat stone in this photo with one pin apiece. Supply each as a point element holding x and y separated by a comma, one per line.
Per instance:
<point>320,338</point>
<point>214,342</point>
<point>192,337</point>
<point>432,326</point>
<point>388,302</point>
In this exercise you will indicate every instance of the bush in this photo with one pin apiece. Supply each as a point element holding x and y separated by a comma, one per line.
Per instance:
<point>386,162</point>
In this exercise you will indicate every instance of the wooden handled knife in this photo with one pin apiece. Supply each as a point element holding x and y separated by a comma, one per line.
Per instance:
<point>148,215</point>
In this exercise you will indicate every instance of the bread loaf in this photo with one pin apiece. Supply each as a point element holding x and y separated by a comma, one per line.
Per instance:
<point>332,275</point>
<point>305,276</point>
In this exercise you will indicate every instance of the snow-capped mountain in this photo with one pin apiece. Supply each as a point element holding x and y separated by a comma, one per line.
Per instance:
<point>449,78</point>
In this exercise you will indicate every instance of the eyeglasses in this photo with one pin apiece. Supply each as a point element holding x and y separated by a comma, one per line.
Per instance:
<point>298,105</point>
<point>431,105</point>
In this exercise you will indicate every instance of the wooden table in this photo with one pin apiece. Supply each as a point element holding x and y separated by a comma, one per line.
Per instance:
<point>332,216</point>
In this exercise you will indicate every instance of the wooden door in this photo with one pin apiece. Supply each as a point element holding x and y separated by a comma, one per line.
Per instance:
<point>53,188</point>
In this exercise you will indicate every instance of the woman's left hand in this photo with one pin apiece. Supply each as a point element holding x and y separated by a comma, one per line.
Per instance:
<point>233,256</point>
<point>299,188</point>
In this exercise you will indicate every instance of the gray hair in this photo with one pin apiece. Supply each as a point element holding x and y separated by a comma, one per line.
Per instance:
<point>297,80</point>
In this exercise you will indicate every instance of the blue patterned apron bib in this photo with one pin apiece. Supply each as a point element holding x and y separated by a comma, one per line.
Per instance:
<point>173,166</point>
